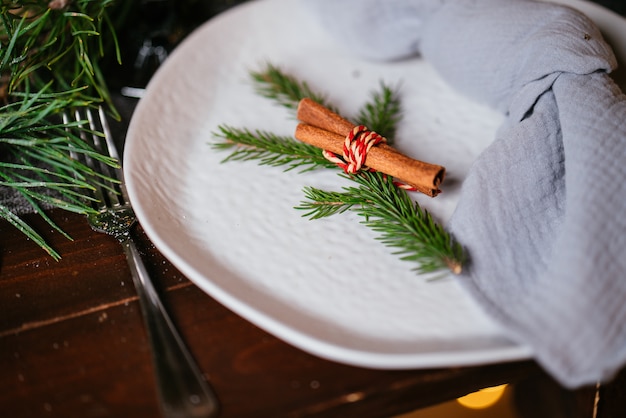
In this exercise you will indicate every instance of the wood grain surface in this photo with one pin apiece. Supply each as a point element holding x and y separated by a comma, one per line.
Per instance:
<point>72,343</point>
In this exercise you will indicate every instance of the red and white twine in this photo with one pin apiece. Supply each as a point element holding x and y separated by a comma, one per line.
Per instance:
<point>355,148</point>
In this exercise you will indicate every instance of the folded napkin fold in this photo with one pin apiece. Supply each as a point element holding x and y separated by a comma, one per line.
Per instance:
<point>542,211</point>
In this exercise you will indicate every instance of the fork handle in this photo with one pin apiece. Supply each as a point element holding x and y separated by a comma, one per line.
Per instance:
<point>182,388</point>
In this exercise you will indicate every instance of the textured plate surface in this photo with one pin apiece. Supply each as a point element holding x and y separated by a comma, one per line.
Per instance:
<point>325,286</point>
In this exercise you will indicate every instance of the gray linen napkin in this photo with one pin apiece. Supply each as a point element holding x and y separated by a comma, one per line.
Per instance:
<point>543,210</point>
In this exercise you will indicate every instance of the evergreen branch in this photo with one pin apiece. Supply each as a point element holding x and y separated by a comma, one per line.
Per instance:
<point>27,230</point>
<point>269,149</point>
<point>49,62</point>
<point>284,89</point>
<point>382,112</point>
<point>39,44</point>
<point>36,161</point>
<point>323,203</point>
<point>389,211</point>
<point>386,209</point>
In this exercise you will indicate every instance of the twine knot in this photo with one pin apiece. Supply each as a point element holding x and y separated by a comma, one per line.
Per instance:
<point>355,148</point>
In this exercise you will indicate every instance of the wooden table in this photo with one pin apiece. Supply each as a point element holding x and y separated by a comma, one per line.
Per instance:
<point>72,344</point>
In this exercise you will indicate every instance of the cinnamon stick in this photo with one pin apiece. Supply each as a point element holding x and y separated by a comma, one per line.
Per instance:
<point>327,130</point>
<point>315,114</point>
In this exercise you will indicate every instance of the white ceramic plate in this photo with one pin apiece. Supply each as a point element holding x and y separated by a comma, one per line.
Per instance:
<point>326,286</point>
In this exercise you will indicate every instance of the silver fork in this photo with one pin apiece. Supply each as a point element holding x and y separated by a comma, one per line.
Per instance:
<point>182,389</point>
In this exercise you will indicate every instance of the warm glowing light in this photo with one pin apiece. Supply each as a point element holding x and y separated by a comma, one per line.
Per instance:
<point>484,398</point>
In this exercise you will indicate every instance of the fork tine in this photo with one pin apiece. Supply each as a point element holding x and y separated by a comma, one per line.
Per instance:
<point>69,117</point>
<point>99,192</point>
<point>66,120</point>
<point>110,192</point>
<point>112,151</point>
<point>108,137</point>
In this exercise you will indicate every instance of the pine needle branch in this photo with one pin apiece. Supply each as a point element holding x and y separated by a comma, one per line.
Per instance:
<point>49,62</point>
<point>324,203</point>
<point>284,89</point>
<point>386,209</point>
<point>36,161</point>
<point>269,149</point>
<point>42,44</point>
<point>382,112</point>
<point>27,230</point>
<point>389,211</point>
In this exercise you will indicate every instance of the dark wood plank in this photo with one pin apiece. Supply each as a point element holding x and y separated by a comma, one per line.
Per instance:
<point>98,365</point>
<point>72,336</point>
<point>92,274</point>
<point>95,365</point>
<point>278,380</point>
<point>72,343</point>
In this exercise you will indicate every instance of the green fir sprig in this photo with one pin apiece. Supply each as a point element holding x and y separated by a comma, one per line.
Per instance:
<point>59,41</point>
<point>383,112</point>
<point>36,161</point>
<point>386,209</point>
<point>269,149</point>
<point>284,89</point>
<point>400,222</point>
<point>49,64</point>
